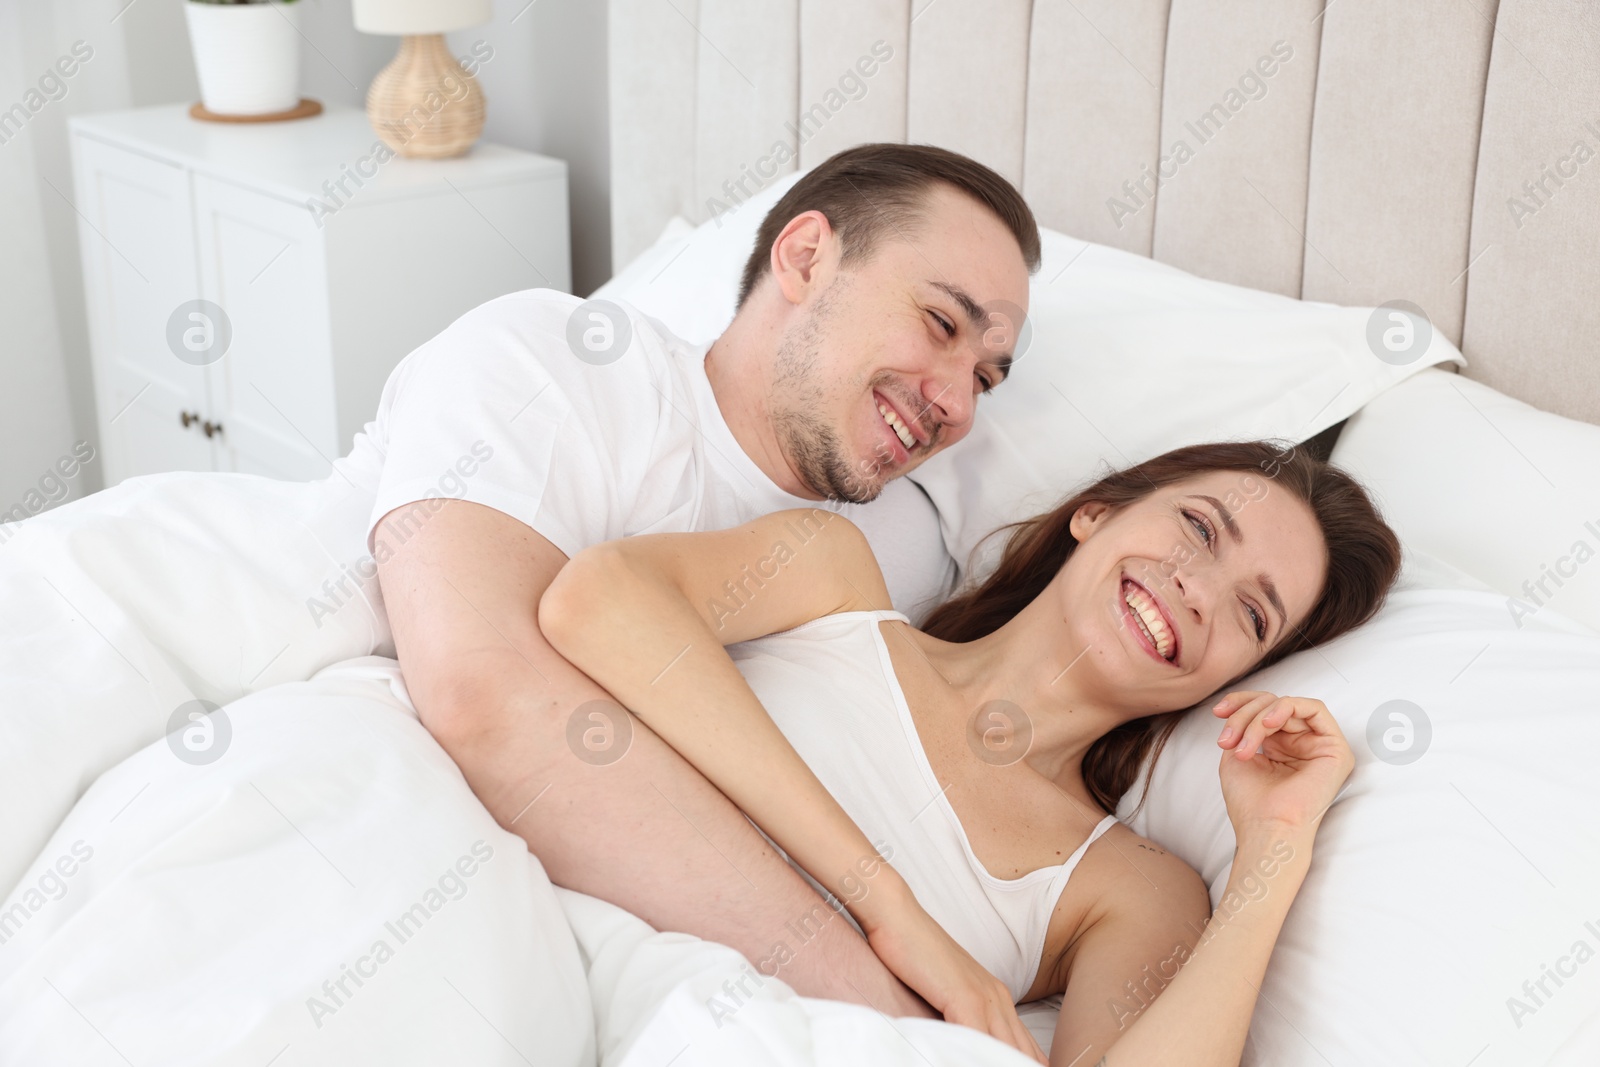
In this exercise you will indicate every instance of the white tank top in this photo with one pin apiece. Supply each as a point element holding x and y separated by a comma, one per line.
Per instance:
<point>830,686</point>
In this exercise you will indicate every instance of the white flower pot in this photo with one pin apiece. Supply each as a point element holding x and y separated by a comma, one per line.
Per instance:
<point>247,56</point>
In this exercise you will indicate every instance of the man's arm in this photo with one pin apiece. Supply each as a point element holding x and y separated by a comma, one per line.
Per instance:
<point>645,831</point>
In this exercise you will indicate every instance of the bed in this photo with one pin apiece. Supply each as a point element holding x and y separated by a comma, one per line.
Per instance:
<point>327,890</point>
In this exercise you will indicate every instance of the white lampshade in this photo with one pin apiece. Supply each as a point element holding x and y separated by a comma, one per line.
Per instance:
<point>420,16</point>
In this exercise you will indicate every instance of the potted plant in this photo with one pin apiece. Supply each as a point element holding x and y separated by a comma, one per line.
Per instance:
<point>246,54</point>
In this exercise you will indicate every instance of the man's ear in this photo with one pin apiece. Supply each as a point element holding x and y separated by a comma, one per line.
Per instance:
<point>1087,519</point>
<point>804,256</point>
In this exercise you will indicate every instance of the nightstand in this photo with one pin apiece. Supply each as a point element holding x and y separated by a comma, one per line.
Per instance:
<point>251,286</point>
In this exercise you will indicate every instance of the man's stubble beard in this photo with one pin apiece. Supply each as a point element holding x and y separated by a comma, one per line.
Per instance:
<point>812,446</point>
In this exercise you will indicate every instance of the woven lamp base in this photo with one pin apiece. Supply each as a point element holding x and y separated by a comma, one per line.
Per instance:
<point>424,104</point>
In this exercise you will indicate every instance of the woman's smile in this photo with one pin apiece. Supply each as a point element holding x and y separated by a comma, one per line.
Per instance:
<point>1149,621</point>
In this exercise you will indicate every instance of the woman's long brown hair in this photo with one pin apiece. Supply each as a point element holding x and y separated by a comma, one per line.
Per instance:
<point>1363,561</point>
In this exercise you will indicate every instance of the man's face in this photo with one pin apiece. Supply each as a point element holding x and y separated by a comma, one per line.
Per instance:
<point>882,363</point>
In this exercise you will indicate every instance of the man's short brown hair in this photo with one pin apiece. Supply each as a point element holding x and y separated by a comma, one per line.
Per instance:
<point>875,190</point>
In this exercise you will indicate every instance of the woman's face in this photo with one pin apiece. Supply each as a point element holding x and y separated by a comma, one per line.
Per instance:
<point>1173,596</point>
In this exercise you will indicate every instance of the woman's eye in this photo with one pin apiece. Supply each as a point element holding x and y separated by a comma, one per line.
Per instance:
<point>1199,524</point>
<point>1260,624</point>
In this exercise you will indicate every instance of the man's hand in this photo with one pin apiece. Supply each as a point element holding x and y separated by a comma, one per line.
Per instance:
<point>615,813</point>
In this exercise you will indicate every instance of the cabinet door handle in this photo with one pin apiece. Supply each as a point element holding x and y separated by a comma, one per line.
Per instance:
<point>211,428</point>
<point>188,418</point>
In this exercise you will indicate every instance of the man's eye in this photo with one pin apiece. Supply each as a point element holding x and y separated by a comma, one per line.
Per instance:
<point>985,385</point>
<point>949,328</point>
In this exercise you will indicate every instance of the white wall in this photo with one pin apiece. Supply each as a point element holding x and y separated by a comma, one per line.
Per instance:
<point>546,92</point>
<point>46,399</point>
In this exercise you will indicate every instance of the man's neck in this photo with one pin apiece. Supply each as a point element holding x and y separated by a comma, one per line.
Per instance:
<point>739,382</point>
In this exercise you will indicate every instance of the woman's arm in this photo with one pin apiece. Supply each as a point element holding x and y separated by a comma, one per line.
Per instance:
<point>647,618</point>
<point>1146,989</point>
<point>1276,799</point>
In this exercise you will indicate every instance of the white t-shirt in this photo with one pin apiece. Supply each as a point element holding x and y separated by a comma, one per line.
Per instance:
<point>497,409</point>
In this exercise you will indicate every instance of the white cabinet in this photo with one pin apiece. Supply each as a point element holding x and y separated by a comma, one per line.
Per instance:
<point>250,286</point>
<point>262,261</point>
<point>139,263</point>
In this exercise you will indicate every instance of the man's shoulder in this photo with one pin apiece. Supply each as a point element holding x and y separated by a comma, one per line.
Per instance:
<point>570,333</point>
<point>596,356</point>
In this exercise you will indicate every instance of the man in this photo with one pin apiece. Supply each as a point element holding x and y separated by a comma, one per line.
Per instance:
<point>875,308</point>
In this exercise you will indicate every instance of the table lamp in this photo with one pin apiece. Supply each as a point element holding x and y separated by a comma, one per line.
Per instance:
<point>424,104</point>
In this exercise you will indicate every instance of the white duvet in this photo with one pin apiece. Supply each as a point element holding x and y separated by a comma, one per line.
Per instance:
<point>304,898</point>
<point>327,890</point>
<point>330,891</point>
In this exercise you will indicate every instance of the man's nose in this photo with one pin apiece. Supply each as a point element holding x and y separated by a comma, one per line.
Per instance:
<point>949,402</point>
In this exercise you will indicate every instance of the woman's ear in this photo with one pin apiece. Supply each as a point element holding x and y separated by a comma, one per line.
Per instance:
<point>1088,518</point>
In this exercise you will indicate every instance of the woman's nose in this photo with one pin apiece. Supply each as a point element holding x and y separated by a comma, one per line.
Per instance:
<point>1187,590</point>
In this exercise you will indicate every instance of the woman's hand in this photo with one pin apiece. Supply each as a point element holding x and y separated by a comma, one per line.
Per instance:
<point>927,959</point>
<point>1304,759</point>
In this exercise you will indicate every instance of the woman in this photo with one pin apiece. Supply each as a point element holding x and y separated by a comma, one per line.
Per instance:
<point>947,783</point>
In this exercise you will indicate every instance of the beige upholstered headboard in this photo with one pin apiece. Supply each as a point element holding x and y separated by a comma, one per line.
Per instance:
<point>1443,152</point>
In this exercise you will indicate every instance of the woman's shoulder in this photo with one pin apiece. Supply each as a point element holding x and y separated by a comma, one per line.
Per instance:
<point>1128,896</point>
<point>835,552</point>
<point>1136,877</point>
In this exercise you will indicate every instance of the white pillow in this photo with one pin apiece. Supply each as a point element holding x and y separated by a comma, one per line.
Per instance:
<point>1439,886</point>
<point>1128,358</point>
<point>1131,358</point>
<point>689,279</point>
<point>1506,492</point>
